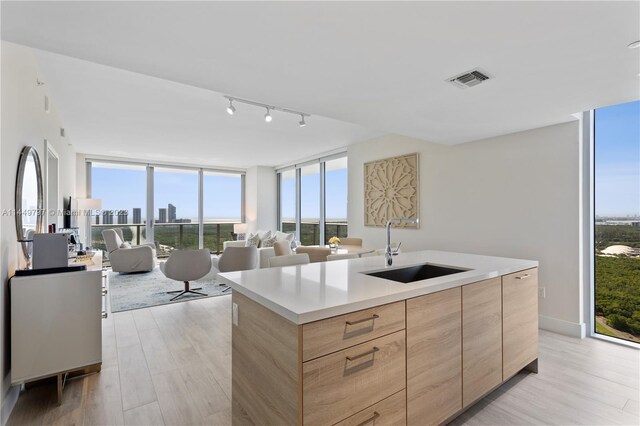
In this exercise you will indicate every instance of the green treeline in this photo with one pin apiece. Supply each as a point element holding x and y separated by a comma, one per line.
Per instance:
<point>617,289</point>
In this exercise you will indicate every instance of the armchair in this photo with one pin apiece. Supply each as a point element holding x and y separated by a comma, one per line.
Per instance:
<point>126,258</point>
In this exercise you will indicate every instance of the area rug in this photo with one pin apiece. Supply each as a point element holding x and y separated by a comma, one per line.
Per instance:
<point>141,290</point>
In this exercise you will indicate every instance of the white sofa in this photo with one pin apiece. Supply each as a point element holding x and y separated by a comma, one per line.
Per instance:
<point>264,253</point>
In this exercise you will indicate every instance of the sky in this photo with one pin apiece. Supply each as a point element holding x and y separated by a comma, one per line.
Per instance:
<point>617,160</point>
<point>125,189</point>
<point>335,201</point>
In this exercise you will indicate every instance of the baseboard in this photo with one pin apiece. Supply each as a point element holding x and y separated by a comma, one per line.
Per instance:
<point>567,328</point>
<point>8,402</point>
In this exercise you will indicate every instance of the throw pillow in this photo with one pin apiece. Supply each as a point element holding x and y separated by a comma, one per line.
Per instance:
<point>125,245</point>
<point>264,236</point>
<point>252,240</point>
<point>280,236</point>
<point>268,242</point>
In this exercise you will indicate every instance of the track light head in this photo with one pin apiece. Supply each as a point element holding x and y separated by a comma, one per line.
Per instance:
<point>302,123</point>
<point>231,109</point>
<point>267,116</point>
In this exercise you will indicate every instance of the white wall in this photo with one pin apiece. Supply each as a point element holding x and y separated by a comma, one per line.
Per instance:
<point>261,198</point>
<point>514,196</point>
<point>23,122</point>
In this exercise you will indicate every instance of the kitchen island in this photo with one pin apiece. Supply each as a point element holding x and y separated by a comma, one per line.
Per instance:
<point>329,343</point>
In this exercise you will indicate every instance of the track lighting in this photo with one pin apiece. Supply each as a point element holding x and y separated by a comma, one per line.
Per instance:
<point>267,117</point>
<point>231,109</point>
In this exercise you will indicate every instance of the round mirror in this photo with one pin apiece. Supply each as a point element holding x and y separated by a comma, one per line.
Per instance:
<point>29,198</point>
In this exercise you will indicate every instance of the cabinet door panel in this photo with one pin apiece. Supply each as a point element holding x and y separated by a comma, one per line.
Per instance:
<point>520,320</point>
<point>481,338</point>
<point>434,357</point>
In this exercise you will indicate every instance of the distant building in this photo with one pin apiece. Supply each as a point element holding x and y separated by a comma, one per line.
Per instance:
<point>162,215</point>
<point>97,219</point>
<point>182,221</point>
<point>137,215</point>
<point>107,217</point>
<point>123,217</point>
<point>171,210</point>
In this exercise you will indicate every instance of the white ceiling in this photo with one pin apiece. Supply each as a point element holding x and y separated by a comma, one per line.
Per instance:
<point>112,112</point>
<point>381,65</point>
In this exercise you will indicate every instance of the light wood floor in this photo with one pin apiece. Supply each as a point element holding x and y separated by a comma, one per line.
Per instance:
<point>171,365</point>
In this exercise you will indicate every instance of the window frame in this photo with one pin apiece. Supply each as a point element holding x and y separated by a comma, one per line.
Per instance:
<point>588,159</point>
<point>150,194</point>
<point>298,176</point>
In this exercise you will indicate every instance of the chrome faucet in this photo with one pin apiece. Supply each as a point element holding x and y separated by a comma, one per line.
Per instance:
<point>388,254</point>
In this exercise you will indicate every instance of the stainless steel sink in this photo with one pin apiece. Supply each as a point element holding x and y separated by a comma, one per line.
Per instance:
<point>411,274</point>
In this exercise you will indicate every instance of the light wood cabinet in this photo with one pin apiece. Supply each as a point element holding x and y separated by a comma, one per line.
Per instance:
<point>519,320</point>
<point>420,361</point>
<point>271,384</point>
<point>390,411</point>
<point>266,369</point>
<point>341,384</point>
<point>481,339</point>
<point>434,357</point>
<point>333,334</point>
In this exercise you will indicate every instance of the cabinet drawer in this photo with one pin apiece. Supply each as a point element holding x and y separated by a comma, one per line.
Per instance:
<point>338,385</point>
<point>388,412</point>
<point>333,334</point>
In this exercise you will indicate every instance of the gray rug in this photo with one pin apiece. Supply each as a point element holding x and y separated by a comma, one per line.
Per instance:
<point>141,290</point>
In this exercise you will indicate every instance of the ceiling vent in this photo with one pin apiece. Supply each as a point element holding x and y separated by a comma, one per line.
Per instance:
<point>468,79</point>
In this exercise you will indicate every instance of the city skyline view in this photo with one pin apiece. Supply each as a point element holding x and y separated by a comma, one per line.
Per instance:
<point>124,188</point>
<point>222,192</point>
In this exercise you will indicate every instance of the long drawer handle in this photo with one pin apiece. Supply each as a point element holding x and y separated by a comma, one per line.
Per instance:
<point>372,351</point>
<point>525,276</point>
<point>371,318</point>
<point>104,315</point>
<point>370,419</point>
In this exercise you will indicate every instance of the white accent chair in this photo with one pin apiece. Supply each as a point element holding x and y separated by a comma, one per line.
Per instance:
<point>186,266</point>
<point>263,253</point>
<point>126,258</point>
<point>342,256</point>
<point>235,259</point>
<point>289,260</point>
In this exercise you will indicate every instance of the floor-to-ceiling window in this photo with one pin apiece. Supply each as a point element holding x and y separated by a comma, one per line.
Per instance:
<point>222,207</point>
<point>287,184</point>
<point>617,221</point>
<point>314,195</point>
<point>124,191</point>
<point>335,204</point>
<point>310,204</point>
<point>176,209</point>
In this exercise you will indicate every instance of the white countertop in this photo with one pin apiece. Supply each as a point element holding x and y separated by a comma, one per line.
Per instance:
<point>317,291</point>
